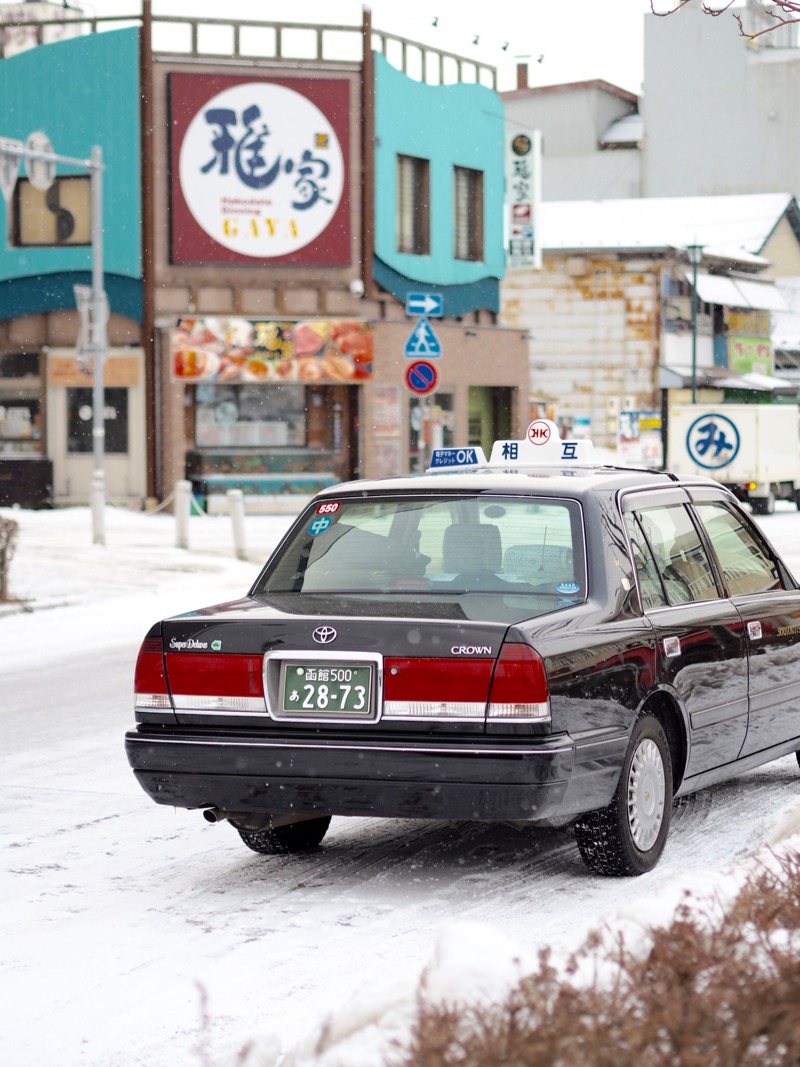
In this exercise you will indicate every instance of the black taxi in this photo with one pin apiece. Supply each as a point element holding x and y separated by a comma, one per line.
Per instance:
<point>537,638</point>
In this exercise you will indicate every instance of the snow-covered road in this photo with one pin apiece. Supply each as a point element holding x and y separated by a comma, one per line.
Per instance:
<point>120,916</point>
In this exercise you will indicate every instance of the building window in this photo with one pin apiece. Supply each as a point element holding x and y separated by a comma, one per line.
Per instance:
<point>60,216</point>
<point>468,215</point>
<point>413,206</point>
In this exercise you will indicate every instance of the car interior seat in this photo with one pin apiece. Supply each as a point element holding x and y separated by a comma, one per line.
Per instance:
<point>469,548</point>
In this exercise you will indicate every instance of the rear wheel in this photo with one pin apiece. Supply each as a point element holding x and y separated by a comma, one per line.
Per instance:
<point>628,837</point>
<point>295,837</point>
<point>764,505</point>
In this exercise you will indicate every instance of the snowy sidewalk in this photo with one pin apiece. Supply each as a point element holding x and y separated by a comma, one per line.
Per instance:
<point>70,597</point>
<point>56,562</point>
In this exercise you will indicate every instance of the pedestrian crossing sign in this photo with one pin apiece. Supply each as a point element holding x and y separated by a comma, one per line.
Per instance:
<point>423,342</point>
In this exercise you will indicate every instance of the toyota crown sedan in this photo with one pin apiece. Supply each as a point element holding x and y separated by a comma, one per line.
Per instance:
<point>534,639</point>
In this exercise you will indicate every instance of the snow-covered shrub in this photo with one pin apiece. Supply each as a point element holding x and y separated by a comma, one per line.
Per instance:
<point>8,537</point>
<point>718,986</point>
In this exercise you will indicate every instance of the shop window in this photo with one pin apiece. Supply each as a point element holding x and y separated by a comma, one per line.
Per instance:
<point>61,215</point>
<point>19,365</point>
<point>20,425</point>
<point>413,206</point>
<point>20,403</point>
<point>489,414</point>
<point>80,420</point>
<point>468,214</point>
<point>431,424</point>
<point>250,416</point>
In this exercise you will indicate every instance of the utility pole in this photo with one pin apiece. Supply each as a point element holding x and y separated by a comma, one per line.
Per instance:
<point>35,152</point>
<point>695,254</point>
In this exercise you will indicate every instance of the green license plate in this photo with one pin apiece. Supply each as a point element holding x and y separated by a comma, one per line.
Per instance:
<point>332,689</point>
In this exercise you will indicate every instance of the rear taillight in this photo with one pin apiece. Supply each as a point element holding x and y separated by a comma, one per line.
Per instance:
<point>519,687</point>
<point>208,682</point>
<point>150,681</point>
<point>435,688</point>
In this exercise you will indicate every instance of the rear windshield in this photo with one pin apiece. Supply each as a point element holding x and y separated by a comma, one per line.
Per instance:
<point>526,553</point>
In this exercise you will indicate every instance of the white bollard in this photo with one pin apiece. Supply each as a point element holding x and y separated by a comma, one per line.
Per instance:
<point>98,509</point>
<point>183,503</point>
<point>236,505</point>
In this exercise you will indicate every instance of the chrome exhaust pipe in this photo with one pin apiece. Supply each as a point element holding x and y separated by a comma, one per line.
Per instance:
<point>252,820</point>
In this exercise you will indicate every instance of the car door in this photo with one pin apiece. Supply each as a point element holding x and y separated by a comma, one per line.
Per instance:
<point>702,654</point>
<point>766,597</point>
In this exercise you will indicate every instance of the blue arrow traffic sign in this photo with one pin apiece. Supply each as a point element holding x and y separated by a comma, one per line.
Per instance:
<point>423,342</point>
<point>430,304</point>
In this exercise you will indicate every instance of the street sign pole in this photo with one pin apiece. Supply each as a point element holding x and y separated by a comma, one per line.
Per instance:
<point>99,345</point>
<point>38,151</point>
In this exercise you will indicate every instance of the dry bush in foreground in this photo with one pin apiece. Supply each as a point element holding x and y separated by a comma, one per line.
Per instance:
<point>8,536</point>
<point>711,991</point>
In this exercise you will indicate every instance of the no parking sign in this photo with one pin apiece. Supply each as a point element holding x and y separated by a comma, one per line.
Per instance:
<point>422,377</point>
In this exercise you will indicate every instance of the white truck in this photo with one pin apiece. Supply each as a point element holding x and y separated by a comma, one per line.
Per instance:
<point>753,449</point>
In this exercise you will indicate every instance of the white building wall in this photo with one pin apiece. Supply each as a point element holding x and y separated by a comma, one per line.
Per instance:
<point>572,121</point>
<point>720,117</point>
<point>611,175</point>
<point>728,122</point>
<point>593,335</point>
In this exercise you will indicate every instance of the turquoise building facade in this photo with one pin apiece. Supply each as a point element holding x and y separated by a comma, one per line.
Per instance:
<point>80,92</point>
<point>449,125</point>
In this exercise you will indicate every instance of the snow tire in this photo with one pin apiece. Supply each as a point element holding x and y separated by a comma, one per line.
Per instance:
<point>295,837</point>
<point>627,837</point>
<point>764,505</point>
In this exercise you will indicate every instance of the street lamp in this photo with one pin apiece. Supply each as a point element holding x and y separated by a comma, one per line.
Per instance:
<point>94,301</point>
<point>695,254</point>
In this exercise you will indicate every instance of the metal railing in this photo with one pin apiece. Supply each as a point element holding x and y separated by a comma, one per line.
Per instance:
<point>248,40</point>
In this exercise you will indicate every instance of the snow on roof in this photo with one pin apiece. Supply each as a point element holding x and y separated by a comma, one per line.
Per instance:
<point>627,130</point>
<point>570,87</point>
<point>660,223</point>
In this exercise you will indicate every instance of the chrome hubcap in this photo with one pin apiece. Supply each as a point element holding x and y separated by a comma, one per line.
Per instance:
<point>646,795</point>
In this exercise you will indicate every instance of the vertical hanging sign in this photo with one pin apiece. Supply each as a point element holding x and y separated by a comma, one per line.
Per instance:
<point>524,184</point>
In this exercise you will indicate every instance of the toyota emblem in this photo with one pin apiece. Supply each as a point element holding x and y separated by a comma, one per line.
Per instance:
<point>324,635</point>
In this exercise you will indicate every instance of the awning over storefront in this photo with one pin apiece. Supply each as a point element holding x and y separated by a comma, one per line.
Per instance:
<point>737,292</point>
<point>720,378</point>
<point>712,289</point>
<point>762,383</point>
<point>762,296</point>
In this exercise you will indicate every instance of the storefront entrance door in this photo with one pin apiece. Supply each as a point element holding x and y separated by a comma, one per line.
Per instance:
<point>70,424</point>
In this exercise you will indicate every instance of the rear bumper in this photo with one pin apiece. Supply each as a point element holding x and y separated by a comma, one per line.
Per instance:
<point>479,780</point>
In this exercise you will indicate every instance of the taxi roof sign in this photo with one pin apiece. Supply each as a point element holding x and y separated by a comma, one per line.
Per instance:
<point>542,446</point>
<point>449,458</point>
